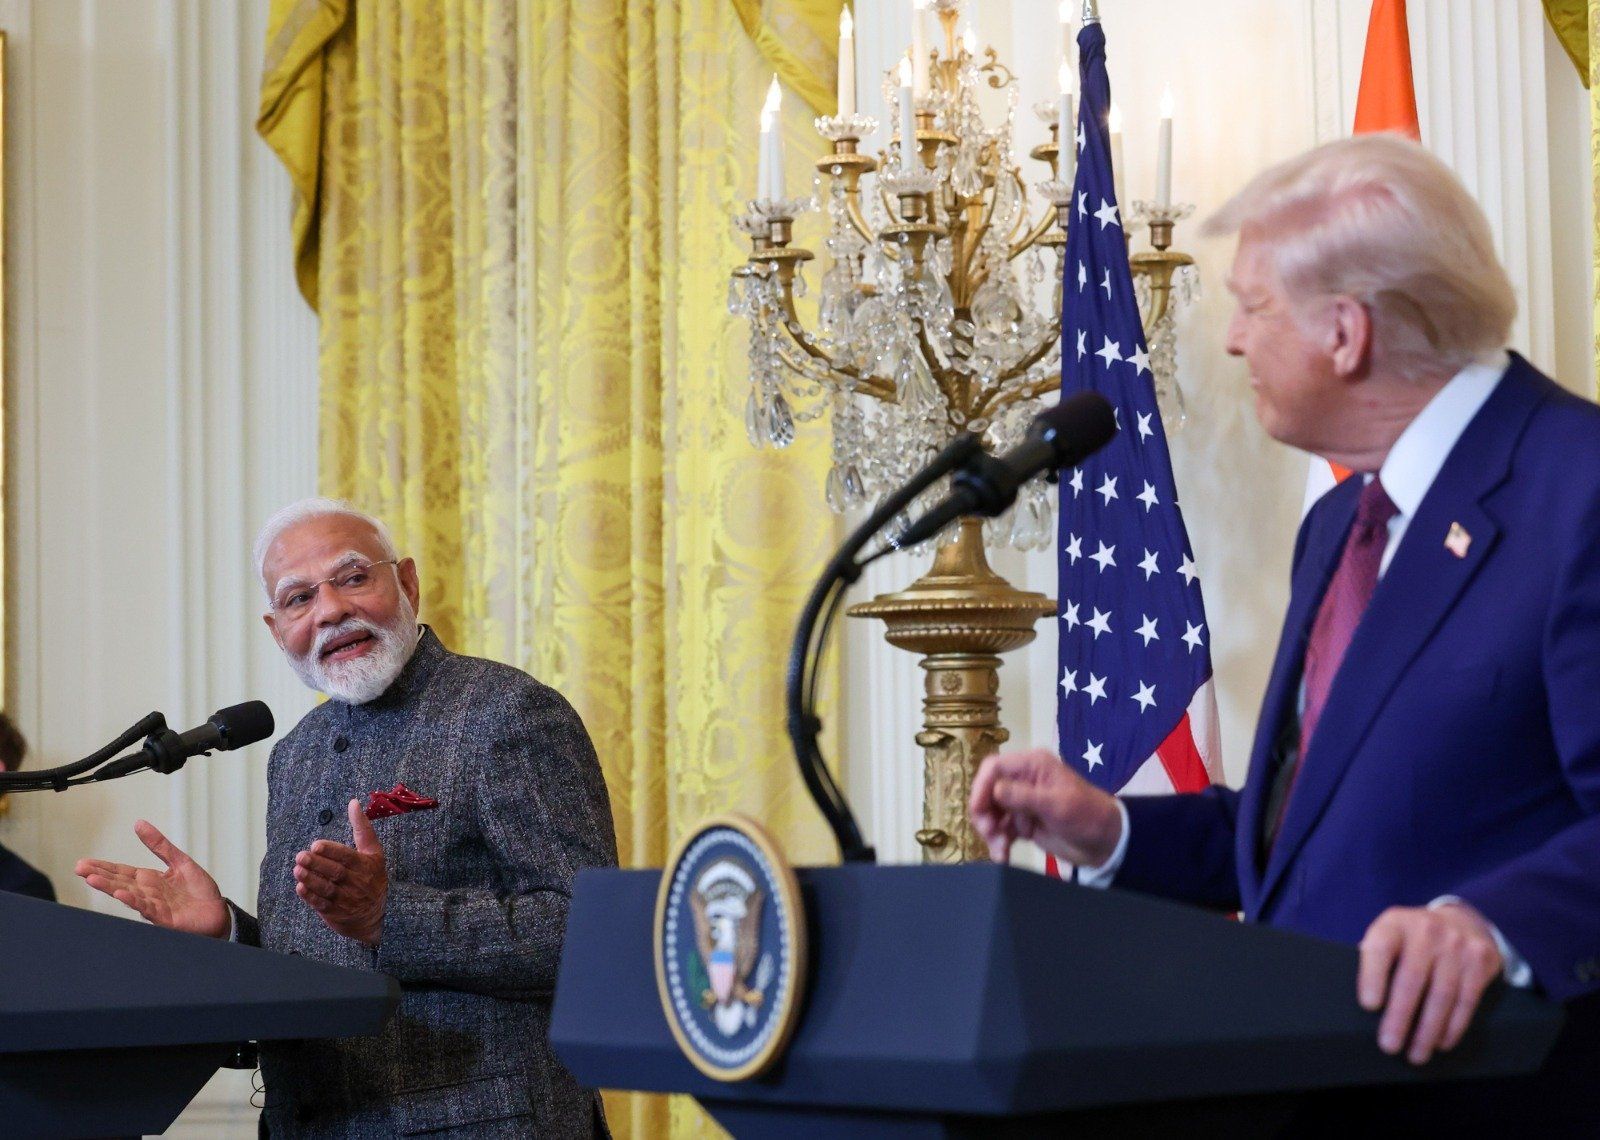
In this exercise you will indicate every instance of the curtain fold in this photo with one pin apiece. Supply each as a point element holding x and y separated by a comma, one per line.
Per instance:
<point>517,222</point>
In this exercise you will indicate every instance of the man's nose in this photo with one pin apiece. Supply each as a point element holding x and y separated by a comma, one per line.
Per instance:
<point>1233,344</point>
<point>330,607</point>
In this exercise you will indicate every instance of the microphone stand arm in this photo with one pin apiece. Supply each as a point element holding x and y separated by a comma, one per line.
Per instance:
<point>61,778</point>
<point>841,571</point>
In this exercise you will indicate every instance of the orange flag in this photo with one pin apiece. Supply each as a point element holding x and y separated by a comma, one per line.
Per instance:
<point>1385,101</point>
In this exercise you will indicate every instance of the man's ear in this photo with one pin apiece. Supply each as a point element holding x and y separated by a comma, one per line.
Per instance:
<point>1349,338</point>
<point>273,626</point>
<point>408,582</point>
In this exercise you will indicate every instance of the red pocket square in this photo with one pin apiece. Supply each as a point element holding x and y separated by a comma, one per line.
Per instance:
<point>397,801</point>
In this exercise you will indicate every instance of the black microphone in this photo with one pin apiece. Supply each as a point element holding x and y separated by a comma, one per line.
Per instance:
<point>165,751</point>
<point>1062,436</point>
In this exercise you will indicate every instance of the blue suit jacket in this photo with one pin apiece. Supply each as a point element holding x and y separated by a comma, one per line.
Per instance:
<point>18,877</point>
<point>1459,750</point>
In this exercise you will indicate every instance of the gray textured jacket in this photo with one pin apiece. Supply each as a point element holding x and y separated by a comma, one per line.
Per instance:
<point>476,910</point>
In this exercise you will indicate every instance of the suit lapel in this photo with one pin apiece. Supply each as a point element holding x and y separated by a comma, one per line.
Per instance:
<point>1313,568</point>
<point>1421,586</point>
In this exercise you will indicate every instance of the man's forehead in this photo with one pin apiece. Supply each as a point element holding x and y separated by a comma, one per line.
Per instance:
<point>320,543</point>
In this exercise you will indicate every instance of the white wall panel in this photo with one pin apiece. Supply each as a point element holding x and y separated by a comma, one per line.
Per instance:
<point>162,399</point>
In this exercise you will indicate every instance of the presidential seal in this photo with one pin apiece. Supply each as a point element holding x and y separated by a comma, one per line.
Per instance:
<point>730,948</point>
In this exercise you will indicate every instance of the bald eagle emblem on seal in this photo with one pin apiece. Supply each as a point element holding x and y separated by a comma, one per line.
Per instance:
<point>730,948</point>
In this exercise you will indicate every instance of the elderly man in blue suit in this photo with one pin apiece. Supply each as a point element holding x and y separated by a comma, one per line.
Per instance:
<point>1425,779</point>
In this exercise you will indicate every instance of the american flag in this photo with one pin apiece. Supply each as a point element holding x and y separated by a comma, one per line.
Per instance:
<point>1136,710</point>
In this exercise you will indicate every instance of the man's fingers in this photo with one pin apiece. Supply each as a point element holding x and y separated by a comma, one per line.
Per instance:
<point>160,846</point>
<point>1406,988</point>
<point>1018,795</point>
<point>1482,969</point>
<point>317,884</point>
<point>1443,989</point>
<point>337,852</point>
<point>332,870</point>
<point>315,901</point>
<point>1379,948</point>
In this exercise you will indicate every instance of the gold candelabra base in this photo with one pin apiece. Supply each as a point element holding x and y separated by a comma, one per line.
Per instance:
<point>960,616</point>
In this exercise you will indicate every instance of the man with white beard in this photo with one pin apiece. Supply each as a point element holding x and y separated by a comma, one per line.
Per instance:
<point>465,905</point>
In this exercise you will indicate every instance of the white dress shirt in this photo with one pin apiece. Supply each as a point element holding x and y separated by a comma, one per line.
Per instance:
<point>1407,472</point>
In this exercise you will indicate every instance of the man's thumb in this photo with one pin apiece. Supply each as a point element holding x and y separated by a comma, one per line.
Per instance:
<point>361,830</point>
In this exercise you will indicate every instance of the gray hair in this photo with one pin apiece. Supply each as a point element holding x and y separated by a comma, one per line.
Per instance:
<point>303,511</point>
<point>1380,219</point>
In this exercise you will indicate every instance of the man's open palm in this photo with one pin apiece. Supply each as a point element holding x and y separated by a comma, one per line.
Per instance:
<point>183,897</point>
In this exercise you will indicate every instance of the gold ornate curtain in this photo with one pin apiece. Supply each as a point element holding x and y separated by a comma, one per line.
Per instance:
<point>513,217</point>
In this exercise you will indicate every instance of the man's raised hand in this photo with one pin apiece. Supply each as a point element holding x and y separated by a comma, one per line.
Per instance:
<point>1033,795</point>
<point>347,886</point>
<point>183,897</point>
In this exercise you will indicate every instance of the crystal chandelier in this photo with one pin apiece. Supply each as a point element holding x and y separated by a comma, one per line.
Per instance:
<point>939,312</point>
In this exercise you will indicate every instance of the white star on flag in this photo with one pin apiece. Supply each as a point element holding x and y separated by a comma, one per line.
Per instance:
<point>1108,488</point>
<point>1095,689</point>
<point>1149,564</point>
<point>1083,205</point>
<point>1071,616</point>
<point>1100,623</point>
<point>1075,549</point>
<point>1106,556</point>
<point>1186,568</point>
<point>1083,343</point>
<point>1076,482</point>
<point>1191,635</point>
<point>1148,630</point>
<point>1091,755</point>
<point>1111,352</point>
<point>1083,276</point>
<point>1069,682</point>
<point>1140,360</point>
<point>1143,417</point>
<point>1106,284</point>
<point>1148,496</point>
<point>1107,213</point>
<point>1146,696</point>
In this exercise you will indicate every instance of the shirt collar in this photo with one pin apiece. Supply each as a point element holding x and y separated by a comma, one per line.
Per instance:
<point>1414,460</point>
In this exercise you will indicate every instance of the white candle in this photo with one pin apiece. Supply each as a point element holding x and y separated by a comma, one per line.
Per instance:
<point>969,40</point>
<point>919,53</point>
<point>1066,126</point>
<point>1164,152</point>
<point>771,175</point>
<point>908,123</point>
<point>847,63</point>
<point>1116,153</point>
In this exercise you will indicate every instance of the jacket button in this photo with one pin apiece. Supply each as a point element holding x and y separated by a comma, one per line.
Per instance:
<point>340,743</point>
<point>325,816</point>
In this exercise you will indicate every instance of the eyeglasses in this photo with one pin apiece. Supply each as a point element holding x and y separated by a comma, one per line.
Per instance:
<point>353,580</point>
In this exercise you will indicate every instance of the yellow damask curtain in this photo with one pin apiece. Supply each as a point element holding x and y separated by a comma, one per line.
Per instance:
<point>518,220</point>
<point>1576,24</point>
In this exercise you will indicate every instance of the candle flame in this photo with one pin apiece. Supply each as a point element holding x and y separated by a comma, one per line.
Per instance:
<point>1166,101</point>
<point>1064,77</point>
<point>905,73</point>
<point>969,40</point>
<point>1116,119</point>
<point>847,26</point>
<point>774,100</point>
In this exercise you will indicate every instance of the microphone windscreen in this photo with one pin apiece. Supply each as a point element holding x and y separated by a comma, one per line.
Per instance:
<point>1080,425</point>
<point>243,724</point>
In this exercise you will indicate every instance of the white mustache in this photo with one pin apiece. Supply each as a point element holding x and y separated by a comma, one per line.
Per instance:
<point>349,625</point>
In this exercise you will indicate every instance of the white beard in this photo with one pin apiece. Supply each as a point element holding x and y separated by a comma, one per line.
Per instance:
<point>364,678</point>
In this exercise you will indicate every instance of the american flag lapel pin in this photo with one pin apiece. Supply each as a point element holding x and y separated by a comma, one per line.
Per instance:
<point>1458,540</point>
